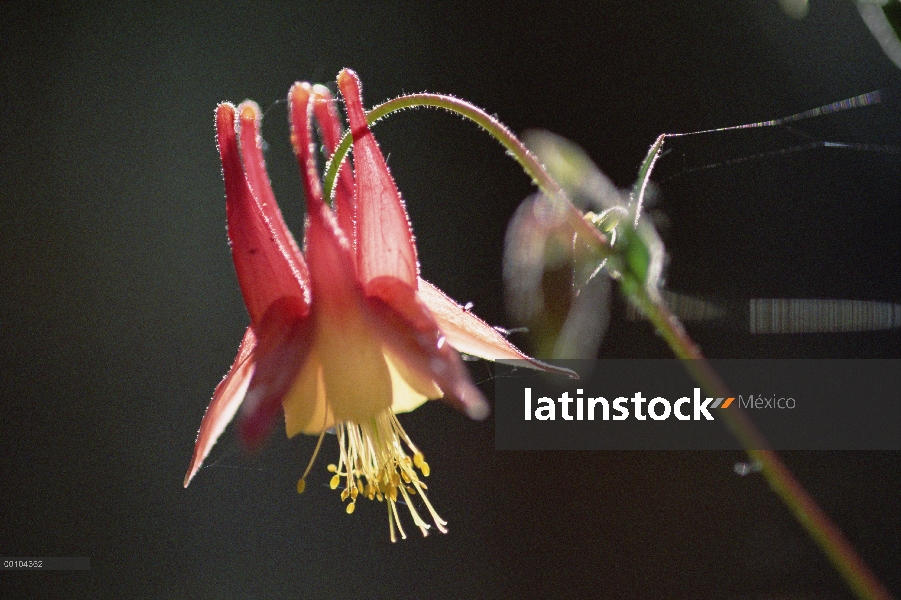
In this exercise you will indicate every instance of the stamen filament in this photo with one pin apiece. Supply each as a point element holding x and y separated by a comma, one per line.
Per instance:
<point>302,482</point>
<point>374,462</point>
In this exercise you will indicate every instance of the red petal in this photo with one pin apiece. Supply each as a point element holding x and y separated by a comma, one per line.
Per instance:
<point>285,338</point>
<point>263,265</point>
<point>258,179</point>
<point>468,333</point>
<point>356,378</point>
<point>384,238</point>
<point>413,336</point>
<point>226,399</point>
<point>326,114</point>
<point>332,270</point>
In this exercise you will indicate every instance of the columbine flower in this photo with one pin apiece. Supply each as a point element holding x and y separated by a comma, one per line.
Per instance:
<point>345,335</point>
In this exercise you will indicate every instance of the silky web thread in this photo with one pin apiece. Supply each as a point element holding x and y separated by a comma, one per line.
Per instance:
<point>644,173</point>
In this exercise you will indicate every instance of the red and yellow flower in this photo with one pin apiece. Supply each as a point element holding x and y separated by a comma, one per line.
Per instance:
<point>346,334</point>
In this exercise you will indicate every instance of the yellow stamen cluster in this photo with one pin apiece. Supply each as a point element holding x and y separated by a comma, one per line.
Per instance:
<point>374,463</point>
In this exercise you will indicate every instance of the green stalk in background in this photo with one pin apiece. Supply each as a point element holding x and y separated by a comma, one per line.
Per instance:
<point>630,258</point>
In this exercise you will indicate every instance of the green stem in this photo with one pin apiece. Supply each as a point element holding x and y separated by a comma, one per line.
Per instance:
<point>533,168</point>
<point>805,509</point>
<point>823,531</point>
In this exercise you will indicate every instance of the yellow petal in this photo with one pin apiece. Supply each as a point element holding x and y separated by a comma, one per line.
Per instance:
<point>306,410</point>
<point>354,372</point>
<point>410,390</point>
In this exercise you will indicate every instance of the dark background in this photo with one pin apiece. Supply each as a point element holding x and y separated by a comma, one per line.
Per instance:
<point>120,310</point>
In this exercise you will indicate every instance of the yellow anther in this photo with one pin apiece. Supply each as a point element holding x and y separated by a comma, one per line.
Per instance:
<point>374,464</point>
<point>301,485</point>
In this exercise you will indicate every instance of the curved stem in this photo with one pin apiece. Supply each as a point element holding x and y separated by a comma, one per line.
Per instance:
<point>530,164</point>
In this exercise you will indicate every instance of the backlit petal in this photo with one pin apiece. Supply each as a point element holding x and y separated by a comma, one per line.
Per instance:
<point>263,265</point>
<point>306,408</point>
<point>414,339</point>
<point>226,399</point>
<point>468,333</point>
<point>285,342</point>
<point>326,114</point>
<point>410,389</point>
<point>384,238</point>
<point>255,171</point>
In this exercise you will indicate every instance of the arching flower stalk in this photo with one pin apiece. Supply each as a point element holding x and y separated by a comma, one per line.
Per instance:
<point>346,334</point>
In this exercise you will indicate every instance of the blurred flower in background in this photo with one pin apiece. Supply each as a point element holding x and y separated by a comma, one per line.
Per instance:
<point>555,285</point>
<point>883,17</point>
